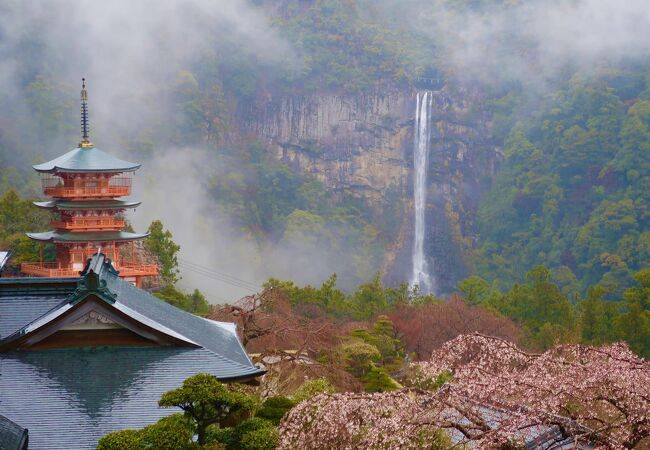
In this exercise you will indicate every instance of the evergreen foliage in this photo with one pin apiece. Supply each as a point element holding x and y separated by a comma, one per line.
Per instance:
<point>312,387</point>
<point>194,302</point>
<point>18,216</point>
<point>205,401</point>
<point>274,408</point>
<point>572,193</point>
<point>160,243</point>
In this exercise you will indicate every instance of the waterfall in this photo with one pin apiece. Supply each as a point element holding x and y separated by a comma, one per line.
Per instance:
<point>421,132</point>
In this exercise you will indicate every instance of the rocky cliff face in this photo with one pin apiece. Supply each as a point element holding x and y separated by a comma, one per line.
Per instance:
<point>350,143</point>
<point>364,145</point>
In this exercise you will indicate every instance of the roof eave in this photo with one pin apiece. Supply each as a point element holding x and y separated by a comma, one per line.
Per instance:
<point>66,170</point>
<point>246,377</point>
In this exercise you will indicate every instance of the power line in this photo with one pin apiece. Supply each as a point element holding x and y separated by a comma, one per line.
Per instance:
<point>224,280</point>
<point>217,272</point>
<point>219,276</point>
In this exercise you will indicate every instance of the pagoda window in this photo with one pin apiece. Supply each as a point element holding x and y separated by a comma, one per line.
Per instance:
<point>124,180</point>
<point>49,181</point>
<point>77,261</point>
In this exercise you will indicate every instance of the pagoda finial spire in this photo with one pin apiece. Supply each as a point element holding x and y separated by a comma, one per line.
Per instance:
<point>85,141</point>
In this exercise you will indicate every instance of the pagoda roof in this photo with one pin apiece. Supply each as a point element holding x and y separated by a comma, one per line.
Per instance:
<point>70,397</point>
<point>91,236</point>
<point>86,160</point>
<point>93,204</point>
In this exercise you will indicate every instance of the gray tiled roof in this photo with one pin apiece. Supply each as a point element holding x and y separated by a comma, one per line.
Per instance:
<point>69,398</point>
<point>204,332</point>
<point>88,204</point>
<point>104,236</point>
<point>17,310</point>
<point>12,435</point>
<point>86,160</point>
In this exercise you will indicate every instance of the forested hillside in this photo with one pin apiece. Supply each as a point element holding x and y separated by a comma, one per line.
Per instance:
<point>572,192</point>
<point>558,148</point>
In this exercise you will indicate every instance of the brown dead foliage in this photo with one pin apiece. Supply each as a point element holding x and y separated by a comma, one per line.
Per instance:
<point>424,328</point>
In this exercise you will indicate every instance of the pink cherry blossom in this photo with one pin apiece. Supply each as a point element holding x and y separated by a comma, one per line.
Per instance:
<point>499,395</point>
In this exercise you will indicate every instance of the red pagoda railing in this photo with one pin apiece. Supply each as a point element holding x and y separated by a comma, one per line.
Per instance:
<point>48,269</point>
<point>134,269</point>
<point>89,223</point>
<point>52,269</point>
<point>84,191</point>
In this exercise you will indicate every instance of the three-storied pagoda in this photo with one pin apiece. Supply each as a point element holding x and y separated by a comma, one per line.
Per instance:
<point>86,185</point>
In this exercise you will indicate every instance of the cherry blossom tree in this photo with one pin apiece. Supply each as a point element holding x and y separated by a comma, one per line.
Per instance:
<point>500,397</point>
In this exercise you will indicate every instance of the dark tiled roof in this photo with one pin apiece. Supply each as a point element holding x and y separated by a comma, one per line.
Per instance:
<point>86,160</point>
<point>69,398</point>
<point>92,204</point>
<point>17,310</point>
<point>204,332</point>
<point>103,236</point>
<point>12,436</point>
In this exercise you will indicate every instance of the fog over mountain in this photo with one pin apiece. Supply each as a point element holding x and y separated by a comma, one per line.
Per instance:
<point>131,53</point>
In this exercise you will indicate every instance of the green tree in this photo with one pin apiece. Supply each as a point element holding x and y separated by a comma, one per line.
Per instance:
<point>123,439</point>
<point>385,339</point>
<point>160,243</point>
<point>251,434</point>
<point>274,408</point>
<point>19,215</point>
<point>169,433</point>
<point>475,289</point>
<point>597,317</point>
<point>378,380</point>
<point>206,401</point>
<point>312,387</point>
<point>194,302</point>
<point>634,324</point>
<point>359,356</point>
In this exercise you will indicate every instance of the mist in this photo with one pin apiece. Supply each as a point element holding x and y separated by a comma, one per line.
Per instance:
<point>535,41</point>
<point>217,257</point>
<point>127,50</point>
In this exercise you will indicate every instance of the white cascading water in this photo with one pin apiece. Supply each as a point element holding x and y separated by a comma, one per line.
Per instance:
<point>420,274</point>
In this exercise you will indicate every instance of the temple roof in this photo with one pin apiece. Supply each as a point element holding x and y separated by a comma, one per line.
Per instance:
<point>70,397</point>
<point>12,436</point>
<point>93,204</point>
<point>28,304</point>
<point>92,236</point>
<point>86,160</point>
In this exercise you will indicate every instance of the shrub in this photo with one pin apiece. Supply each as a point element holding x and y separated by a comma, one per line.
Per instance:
<point>274,408</point>
<point>312,387</point>
<point>120,440</point>
<point>266,438</point>
<point>378,380</point>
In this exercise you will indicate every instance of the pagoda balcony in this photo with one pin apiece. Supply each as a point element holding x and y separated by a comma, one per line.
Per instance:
<point>48,269</point>
<point>89,223</point>
<point>128,269</point>
<point>53,270</point>
<point>87,191</point>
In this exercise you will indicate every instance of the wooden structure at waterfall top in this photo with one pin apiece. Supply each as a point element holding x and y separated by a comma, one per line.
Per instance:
<point>85,186</point>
